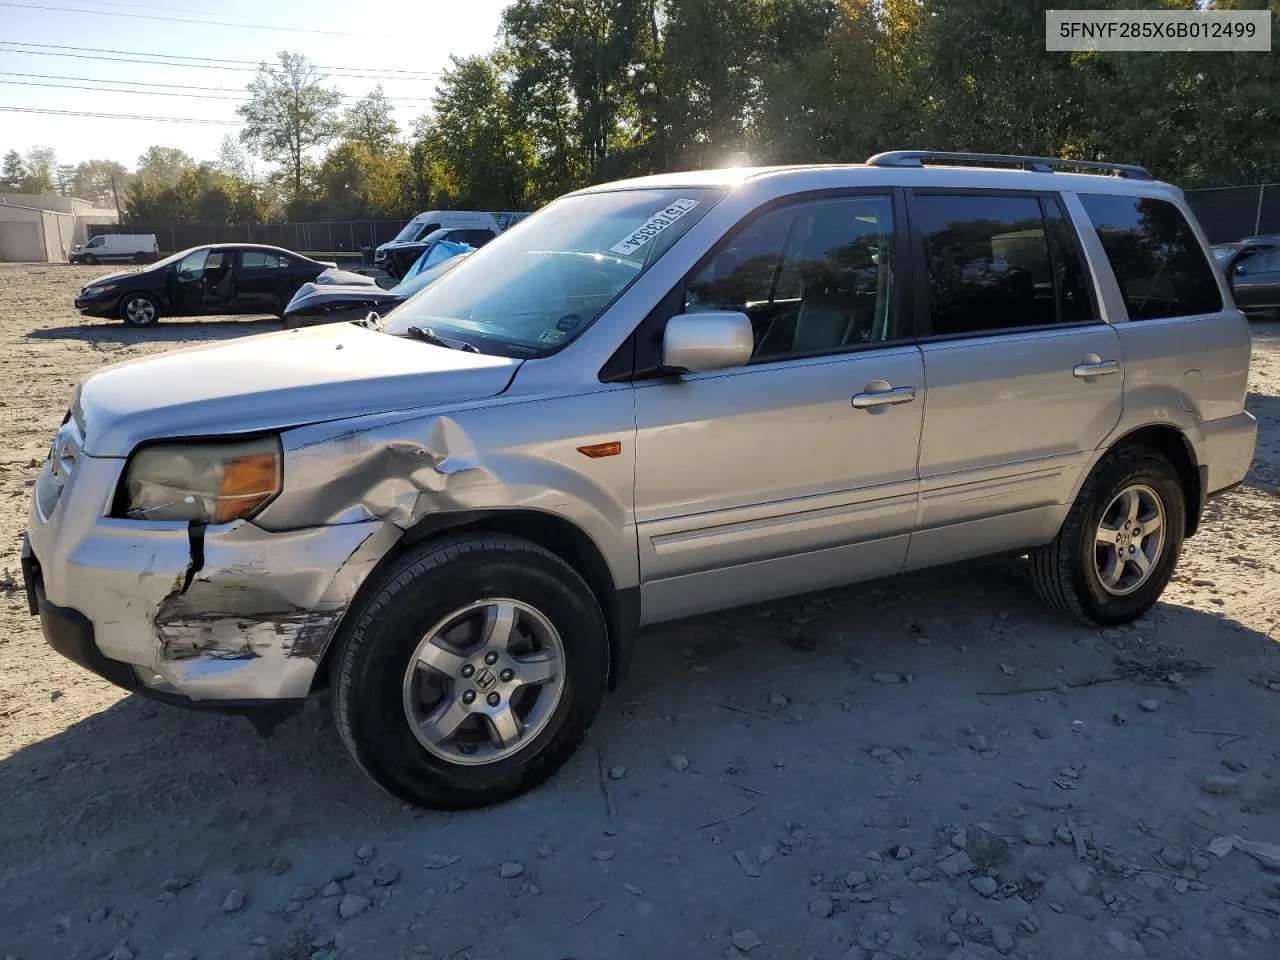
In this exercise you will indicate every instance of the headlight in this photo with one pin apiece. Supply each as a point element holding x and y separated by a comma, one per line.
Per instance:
<point>100,290</point>
<point>214,482</point>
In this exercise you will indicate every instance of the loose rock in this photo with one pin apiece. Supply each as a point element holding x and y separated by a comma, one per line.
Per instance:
<point>678,761</point>
<point>821,907</point>
<point>746,940</point>
<point>511,869</point>
<point>386,874</point>
<point>617,773</point>
<point>1219,783</point>
<point>985,886</point>
<point>331,889</point>
<point>352,906</point>
<point>234,900</point>
<point>366,852</point>
<point>603,856</point>
<point>956,864</point>
<point>1002,939</point>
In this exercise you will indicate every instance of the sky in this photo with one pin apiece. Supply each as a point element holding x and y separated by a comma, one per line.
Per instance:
<point>402,44</point>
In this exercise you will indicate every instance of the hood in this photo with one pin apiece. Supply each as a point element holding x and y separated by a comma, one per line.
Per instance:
<point>344,277</point>
<point>110,278</point>
<point>400,244</point>
<point>274,381</point>
<point>311,295</point>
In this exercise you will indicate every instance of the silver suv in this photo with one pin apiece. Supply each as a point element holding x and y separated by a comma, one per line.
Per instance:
<point>652,399</point>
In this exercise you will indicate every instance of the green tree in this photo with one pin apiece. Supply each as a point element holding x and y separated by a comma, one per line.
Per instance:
<point>93,181</point>
<point>41,165</point>
<point>162,167</point>
<point>289,112</point>
<point>13,171</point>
<point>489,153</point>
<point>369,122</point>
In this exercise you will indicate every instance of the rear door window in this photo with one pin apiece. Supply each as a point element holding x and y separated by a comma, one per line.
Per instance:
<point>997,262</point>
<point>258,260</point>
<point>1158,262</point>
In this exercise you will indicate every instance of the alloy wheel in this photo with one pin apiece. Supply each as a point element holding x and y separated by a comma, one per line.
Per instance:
<point>484,681</point>
<point>1130,539</point>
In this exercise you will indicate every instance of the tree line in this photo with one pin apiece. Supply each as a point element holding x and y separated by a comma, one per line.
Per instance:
<point>583,91</point>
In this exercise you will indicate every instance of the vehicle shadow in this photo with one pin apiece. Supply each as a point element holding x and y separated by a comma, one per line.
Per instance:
<point>168,331</point>
<point>786,701</point>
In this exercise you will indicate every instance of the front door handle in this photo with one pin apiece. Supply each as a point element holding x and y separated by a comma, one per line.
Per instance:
<point>1095,366</point>
<point>881,394</point>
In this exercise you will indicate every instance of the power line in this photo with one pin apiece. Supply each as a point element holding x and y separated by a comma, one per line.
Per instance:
<point>151,16</point>
<point>156,93</point>
<point>220,62</point>
<point>115,116</point>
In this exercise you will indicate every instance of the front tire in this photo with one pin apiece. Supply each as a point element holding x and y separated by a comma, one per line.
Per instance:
<point>139,310</point>
<point>90,260</point>
<point>1118,547</point>
<point>470,671</point>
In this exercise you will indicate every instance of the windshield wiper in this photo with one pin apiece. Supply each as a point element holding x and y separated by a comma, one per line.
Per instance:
<point>427,335</point>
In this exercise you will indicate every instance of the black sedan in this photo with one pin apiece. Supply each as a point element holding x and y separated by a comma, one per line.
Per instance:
<point>217,279</point>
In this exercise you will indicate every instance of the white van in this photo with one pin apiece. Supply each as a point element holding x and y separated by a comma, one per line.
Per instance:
<point>117,248</point>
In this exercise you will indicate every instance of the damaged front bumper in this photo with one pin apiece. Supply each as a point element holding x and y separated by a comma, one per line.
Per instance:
<point>217,617</point>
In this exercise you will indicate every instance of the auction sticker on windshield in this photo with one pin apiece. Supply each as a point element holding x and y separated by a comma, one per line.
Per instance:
<point>653,226</point>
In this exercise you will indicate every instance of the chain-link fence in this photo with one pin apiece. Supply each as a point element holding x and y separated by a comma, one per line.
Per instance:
<point>1233,213</point>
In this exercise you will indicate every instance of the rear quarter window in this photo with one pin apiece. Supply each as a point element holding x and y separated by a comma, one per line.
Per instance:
<point>1158,262</point>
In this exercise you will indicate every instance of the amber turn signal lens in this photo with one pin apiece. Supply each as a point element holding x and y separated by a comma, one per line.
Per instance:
<point>247,483</point>
<point>597,450</point>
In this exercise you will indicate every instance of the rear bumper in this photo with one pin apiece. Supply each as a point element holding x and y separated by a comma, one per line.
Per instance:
<point>1228,450</point>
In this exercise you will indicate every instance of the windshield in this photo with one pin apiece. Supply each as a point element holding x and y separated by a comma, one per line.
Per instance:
<point>532,290</point>
<point>409,232</point>
<point>173,258</point>
<point>437,253</point>
<point>418,281</point>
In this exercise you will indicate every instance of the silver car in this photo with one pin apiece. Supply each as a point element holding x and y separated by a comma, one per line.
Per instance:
<point>656,398</point>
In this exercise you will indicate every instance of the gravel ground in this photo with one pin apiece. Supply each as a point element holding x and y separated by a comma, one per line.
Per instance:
<point>927,767</point>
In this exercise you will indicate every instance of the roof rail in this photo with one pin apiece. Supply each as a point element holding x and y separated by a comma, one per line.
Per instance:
<point>918,158</point>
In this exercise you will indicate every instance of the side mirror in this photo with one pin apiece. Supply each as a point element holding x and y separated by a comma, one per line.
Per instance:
<point>715,340</point>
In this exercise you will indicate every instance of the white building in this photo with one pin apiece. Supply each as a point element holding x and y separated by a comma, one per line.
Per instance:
<point>40,229</point>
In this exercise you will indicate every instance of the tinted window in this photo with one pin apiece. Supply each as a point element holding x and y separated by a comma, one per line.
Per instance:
<point>1161,269</point>
<point>990,267</point>
<point>258,260</point>
<point>1265,262</point>
<point>811,276</point>
<point>427,228</point>
<point>95,242</point>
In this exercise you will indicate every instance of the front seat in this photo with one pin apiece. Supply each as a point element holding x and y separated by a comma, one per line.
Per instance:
<point>825,321</point>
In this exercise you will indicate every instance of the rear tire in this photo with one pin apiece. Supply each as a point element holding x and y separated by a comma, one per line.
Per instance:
<point>139,310</point>
<point>1121,540</point>
<point>140,258</point>
<point>412,697</point>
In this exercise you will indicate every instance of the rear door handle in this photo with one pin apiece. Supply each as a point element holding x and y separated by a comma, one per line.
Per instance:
<point>1094,367</point>
<point>877,396</point>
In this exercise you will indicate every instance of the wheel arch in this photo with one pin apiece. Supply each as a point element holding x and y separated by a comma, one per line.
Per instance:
<point>552,532</point>
<point>1174,445</point>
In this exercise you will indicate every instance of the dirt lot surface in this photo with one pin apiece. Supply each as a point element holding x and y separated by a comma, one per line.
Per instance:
<point>929,767</point>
